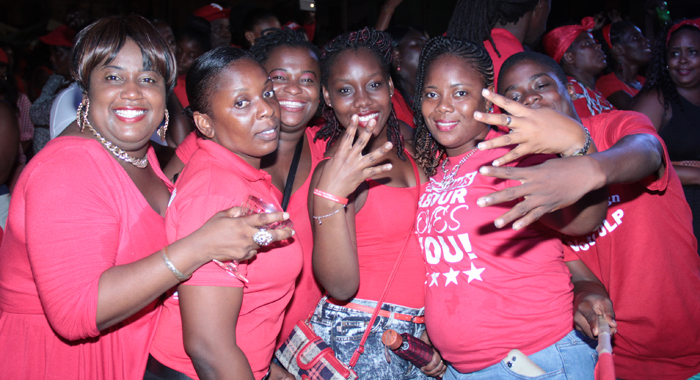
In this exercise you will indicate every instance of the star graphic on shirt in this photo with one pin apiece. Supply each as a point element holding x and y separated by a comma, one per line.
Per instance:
<point>434,278</point>
<point>474,273</point>
<point>451,276</point>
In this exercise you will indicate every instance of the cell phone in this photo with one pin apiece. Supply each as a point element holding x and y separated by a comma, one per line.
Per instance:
<point>307,5</point>
<point>522,365</point>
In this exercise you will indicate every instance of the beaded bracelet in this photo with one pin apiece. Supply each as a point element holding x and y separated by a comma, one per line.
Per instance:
<point>327,215</point>
<point>181,277</point>
<point>330,197</point>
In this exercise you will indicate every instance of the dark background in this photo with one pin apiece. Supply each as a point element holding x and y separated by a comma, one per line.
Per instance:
<point>25,19</point>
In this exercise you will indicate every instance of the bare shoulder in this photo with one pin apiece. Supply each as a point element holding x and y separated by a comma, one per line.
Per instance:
<point>651,103</point>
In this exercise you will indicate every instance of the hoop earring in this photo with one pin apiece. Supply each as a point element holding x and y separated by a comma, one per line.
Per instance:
<point>164,128</point>
<point>81,116</point>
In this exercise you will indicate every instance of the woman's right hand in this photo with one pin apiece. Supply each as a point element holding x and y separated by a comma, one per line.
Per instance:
<point>348,167</point>
<point>229,236</point>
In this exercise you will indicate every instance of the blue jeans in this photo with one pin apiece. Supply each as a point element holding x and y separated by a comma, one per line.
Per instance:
<point>572,358</point>
<point>342,329</point>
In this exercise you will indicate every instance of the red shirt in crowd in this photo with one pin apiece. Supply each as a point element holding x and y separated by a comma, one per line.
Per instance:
<point>610,84</point>
<point>645,254</point>
<point>589,102</point>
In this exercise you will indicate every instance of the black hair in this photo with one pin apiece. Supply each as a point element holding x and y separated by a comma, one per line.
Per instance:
<point>617,31</point>
<point>284,37</point>
<point>201,80</point>
<point>397,34</point>
<point>197,35</point>
<point>657,76</point>
<point>379,44</point>
<point>428,151</point>
<point>254,17</point>
<point>473,20</point>
<point>540,59</point>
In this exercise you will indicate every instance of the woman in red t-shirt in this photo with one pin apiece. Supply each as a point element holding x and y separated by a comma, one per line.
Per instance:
<point>357,241</point>
<point>489,290</point>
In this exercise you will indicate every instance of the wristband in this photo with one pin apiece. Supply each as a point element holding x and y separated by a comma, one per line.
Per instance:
<point>330,197</point>
<point>181,277</point>
<point>586,145</point>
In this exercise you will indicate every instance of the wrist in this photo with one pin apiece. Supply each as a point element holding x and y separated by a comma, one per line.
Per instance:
<point>582,145</point>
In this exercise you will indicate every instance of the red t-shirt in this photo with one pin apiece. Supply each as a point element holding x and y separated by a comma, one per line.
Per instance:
<point>186,149</point>
<point>381,227</point>
<point>645,254</point>
<point>609,84</point>
<point>488,290</point>
<point>507,45</point>
<point>74,214</point>
<point>589,102</point>
<point>216,179</point>
<point>403,111</point>
<point>308,290</point>
<point>180,91</point>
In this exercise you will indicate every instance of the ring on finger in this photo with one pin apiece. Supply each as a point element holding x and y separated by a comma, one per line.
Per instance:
<point>262,237</point>
<point>508,120</point>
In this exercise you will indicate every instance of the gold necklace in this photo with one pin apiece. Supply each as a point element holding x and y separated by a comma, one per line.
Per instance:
<point>140,163</point>
<point>449,178</point>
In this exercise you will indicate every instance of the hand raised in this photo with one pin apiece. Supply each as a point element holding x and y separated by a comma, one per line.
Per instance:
<point>348,167</point>
<point>541,130</point>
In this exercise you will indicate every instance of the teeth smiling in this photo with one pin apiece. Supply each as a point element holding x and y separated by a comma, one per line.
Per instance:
<point>369,117</point>
<point>129,114</point>
<point>268,132</point>
<point>287,103</point>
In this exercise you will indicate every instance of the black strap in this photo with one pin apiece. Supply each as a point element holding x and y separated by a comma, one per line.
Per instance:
<point>292,173</point>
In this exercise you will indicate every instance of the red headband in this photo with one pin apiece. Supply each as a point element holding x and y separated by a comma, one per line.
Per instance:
<point>212,12</point>
<point>558,40</point>
<point>61,36</point>
<point>606,35</point>
<point>695,23</point>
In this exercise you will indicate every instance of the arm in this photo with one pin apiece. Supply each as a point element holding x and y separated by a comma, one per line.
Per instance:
<point>9,144</point>
<point>651,104</point>
<point>436,368</point>
<point>179,126</point>
<point>385,14</point>
<point>689,175</point>
<point>209,318</point>
<point>590,300</point>
<point>335,250</point>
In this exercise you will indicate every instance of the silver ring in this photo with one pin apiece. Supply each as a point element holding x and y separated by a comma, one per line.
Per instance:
<point>262,237</point>
<point>508,120</point>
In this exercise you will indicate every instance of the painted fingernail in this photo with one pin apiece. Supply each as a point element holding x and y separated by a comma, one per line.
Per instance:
<point>389,166</point>
<point>496,163</point>
<point>481,202</point>
<point>517,225</point>
<point>484,170</point>
<point>499,223</point>
<point>285,216</point>
<point>294,232</point>
<point>478,115</point>
<point>388,145</point>
<point>481,146</point>
<point>485,92</point>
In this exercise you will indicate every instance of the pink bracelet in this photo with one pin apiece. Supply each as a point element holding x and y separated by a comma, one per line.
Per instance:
<point>330,197</point>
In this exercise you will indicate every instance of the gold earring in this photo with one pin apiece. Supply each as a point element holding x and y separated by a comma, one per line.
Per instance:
<point>164,128</point>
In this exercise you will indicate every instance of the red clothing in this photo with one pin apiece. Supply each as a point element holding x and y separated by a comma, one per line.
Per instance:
<point>488,290</point>
<point>74,214</point>
<point>216,179</point>
<point>589,102</point>
<point>403,111</point>
<point>507,45</point>
<point>645,255</point>
<point>609,84</point>
<point>180,91</point>
<point>186,149</point>
<point>381,227</point>
<point>307,291</point>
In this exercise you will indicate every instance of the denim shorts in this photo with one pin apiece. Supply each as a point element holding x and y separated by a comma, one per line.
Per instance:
<point>572,358</point>
<point>342,329</point>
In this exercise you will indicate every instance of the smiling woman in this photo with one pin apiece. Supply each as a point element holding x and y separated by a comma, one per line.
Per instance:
<point>85,255</point>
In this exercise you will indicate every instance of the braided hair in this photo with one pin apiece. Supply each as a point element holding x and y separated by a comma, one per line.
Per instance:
<point>617,31</point>
<point>473,20</point>
<point>429,152</point>
<point>657,76</point>
<point>379,44</point>
<point>285,37</point>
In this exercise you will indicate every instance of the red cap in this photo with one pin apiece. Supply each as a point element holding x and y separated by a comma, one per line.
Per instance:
<point>558,40</point>
<point>292,25</point>
<point>3,57</point>
<point>606,35</point>
<point>61,36</point>
<point>212,12</point>
<point>695,23</point>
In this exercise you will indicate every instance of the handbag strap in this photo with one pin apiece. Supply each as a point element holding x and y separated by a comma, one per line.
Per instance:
<point>361,349</point>
<point>292,173</point>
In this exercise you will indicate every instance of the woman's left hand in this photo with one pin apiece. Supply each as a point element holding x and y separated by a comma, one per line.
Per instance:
<point>279,373</point>
<point>533,131</point>
<point>437,367</point>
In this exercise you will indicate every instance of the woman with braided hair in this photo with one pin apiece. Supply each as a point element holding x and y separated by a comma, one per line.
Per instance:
<point>506,24</point>
<point>489,290</point>
<point>671,99</point>
<point>362,200</point>
<point>628,52</point>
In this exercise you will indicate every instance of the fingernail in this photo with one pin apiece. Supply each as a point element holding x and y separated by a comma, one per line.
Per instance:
<point>484,170</point>
<point>481,202</point>
<point>517,225</point>
<point>485,92</point>
<point>499,223</point>
<point>496,163</point>
<point>285,216</point>
<point>388,145</point>
<point>294,232</point>
<point>477,115</point>
<point>481,146</point>
<point>389,166</point>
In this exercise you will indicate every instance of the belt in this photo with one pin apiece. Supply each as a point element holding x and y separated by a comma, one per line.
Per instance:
<point>382,313</point>
<point>164,372</point>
